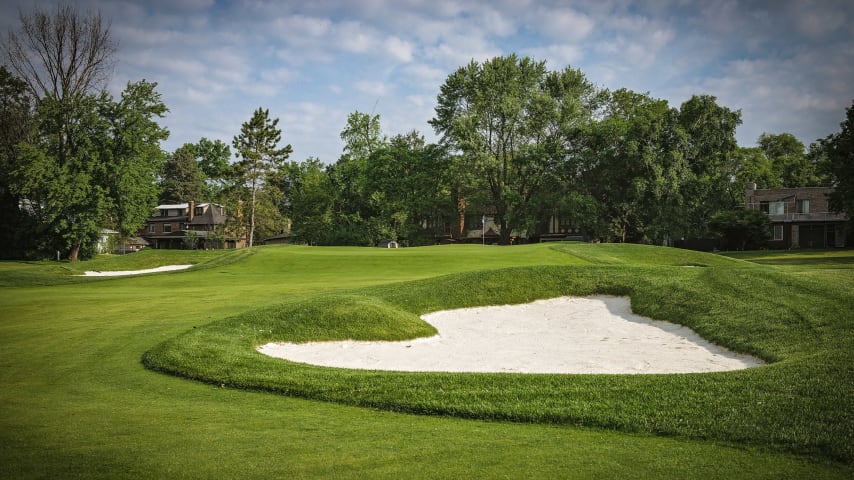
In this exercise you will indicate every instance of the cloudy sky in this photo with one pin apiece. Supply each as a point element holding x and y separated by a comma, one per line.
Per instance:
<point>787,65</point>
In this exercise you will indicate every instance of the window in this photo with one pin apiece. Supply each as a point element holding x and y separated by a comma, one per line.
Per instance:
<point>763,207</point>
<point>777,232</point>
<point>200,210</point>
<point>803,206</point>
<point>167,227</point>
<point>776,208</point>
<point>151,228</point>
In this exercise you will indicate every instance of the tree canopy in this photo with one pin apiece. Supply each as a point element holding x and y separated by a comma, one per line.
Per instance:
<point>839,150</point>
<point>510,119</point>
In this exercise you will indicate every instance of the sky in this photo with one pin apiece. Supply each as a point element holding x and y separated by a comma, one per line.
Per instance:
<point>787,65</point>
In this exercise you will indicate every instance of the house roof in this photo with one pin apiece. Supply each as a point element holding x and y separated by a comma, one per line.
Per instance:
<point>211,216</point>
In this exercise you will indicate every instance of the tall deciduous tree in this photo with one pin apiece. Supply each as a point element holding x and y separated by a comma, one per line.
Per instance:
<point>62,56</point>
<point>100,169</point>
<point>16,117</point>
<point>789,161</point>
<point>362,135</point>
<point>408,185</point>
<point>633,169</point>
<point>839,150</point>
<point>212,157</point>
<point>182,178</point>
<point>510,118</point>
<point>310,196</point>
<point>135,156</point>
<point>257,146</point>
<point>710,130</point>
<point>353,211</point>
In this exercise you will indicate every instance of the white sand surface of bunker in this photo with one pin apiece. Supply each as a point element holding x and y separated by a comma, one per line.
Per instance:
<point>117,273</point>
<point>561,335</point>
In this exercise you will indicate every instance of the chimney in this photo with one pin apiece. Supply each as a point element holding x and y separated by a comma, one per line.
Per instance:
<point>191,212</point>
<point>749,192</point>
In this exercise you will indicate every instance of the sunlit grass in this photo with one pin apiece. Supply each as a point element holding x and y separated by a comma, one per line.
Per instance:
<point>77,402</point>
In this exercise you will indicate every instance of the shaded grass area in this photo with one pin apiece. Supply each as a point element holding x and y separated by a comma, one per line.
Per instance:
<point>810,259</point>
<point>800,403</point>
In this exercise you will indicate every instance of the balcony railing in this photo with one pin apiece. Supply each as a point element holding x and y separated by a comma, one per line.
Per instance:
<point>808,217</point>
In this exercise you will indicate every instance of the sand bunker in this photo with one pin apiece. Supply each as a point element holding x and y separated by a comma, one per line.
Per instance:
<point>561,335</point>
<point>167,268</point>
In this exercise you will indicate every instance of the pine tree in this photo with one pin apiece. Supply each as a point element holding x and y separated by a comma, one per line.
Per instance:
<point>260,156</point>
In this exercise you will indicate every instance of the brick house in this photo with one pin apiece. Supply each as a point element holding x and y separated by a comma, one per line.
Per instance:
<point>800,217</point>
<point>190,225</point>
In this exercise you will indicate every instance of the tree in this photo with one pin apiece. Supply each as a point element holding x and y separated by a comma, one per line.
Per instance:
<point>66,196</point>
<point>752,165</point>
<point>710,133</point>
<point>510,117</point>
<point>62,56</point>
<point>212,158</point>
<point>741,229</point>
<point>632,170</point>
<point>839,151</point>
<point>407,181</point>
<point>16,117</point>
<point>182,178</point>
<point>362,135</point>
<point>135,157</point>
<point>790,164</point>
<point>100,169</point>
<point>353,212</point>
<point>310,196</point>
<point>257,147</point>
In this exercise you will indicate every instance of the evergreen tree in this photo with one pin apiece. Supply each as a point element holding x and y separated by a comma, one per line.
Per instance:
<point>260,156</point>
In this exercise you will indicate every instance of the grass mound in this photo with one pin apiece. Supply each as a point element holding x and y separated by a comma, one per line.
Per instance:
<point>799,403</point>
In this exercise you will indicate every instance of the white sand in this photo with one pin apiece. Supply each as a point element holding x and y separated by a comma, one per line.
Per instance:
<point>561,335</point>
<point>167,268</point>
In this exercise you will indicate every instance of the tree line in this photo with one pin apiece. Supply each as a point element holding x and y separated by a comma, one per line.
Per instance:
<point>526,146</point>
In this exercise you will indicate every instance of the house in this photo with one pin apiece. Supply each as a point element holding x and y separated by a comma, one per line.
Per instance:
<point>189,226</point>
<point>800,217</point>
<point>105,239</point>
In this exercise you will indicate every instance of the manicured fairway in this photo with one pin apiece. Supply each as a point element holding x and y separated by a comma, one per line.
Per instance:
<point>76,400</point>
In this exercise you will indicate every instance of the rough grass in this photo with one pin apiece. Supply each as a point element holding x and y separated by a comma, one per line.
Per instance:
<point>799,403</point>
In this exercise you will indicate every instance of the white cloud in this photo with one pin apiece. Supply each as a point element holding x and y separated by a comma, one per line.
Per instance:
<point>355,37</point>
<point>374,88</point>
<point>427,77</point>
<point>399,49</point>
<point>564,24</point>
<point>556,56</point>
<point>495,22</point>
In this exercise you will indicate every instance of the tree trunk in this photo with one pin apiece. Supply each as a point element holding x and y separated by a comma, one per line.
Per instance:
<point>461,209</point>
<point>252,217</point>
<point>504,235</point>
<point>75,252</point>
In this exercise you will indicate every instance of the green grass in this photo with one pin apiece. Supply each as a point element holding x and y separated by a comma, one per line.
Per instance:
<point>77,401</point>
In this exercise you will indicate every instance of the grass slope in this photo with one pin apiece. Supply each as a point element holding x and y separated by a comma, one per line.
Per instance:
<point>76,401</point>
